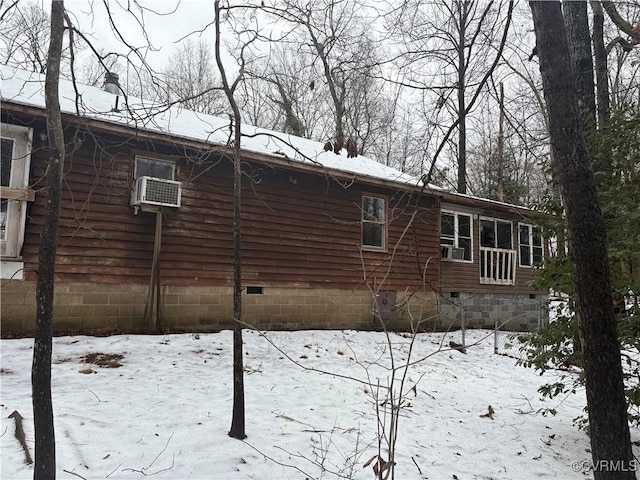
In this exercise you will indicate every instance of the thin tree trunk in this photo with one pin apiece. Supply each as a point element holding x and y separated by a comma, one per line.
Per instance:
<point>468,105</point>
<point>237,429</point>
<point>501,146</point>
<point>238,421</point>
<point>336,88</point>
<point>608,424</point>
<point>45,446</point>
<point>462,111</point>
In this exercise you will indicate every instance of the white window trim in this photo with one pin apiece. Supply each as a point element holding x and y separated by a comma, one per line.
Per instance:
<point>494,219</point>
<point>11,247</point>
<point>385,224</point>
<point>455,229</point>
<point>507,254</point>
<point>530,245</point>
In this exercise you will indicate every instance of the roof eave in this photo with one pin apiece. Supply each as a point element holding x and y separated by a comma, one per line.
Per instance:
<point>226,150</point>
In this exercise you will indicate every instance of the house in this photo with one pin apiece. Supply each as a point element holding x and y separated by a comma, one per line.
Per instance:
<point>145,241</point>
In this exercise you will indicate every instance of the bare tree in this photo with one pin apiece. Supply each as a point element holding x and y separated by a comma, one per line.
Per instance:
<point>338,49</point>
<point>285,79</point>
<point>25,38</point>
<point>256,103</point>
<point>45,451</point>
<point>190,78</point>
<point>238,418</point>
<point>25,34</point>
<point>623,55</point>
<point>623,42</point>
<point>608,424</point>
<point>500,167</point>
<point>623,24</point>
<point>399,141</point>
<point>369,106</point>
<point>445,50</point>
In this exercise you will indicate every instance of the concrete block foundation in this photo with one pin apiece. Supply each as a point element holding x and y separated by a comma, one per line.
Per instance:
<point>90,307</point>
<point>515,312</point>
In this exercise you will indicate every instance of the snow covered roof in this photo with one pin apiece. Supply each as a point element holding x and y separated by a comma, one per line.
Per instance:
<point>27,88</point>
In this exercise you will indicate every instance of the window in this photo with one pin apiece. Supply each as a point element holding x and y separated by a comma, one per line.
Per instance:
<point>497,257</point>
<point>152,167</point>
<point>15,156</point>
<point>455,236</point>
<point>373,222</point>
<point>495,234</point>
<point>6,153</point>
<point>530,245</point>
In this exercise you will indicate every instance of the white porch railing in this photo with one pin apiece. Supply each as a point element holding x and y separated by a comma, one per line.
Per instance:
<point>497,266</point>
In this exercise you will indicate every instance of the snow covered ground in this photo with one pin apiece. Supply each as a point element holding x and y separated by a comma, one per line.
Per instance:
<point>166,411</point>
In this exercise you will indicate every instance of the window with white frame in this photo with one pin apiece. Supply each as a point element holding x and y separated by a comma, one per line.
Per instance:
<point>531,251</point>
<point>15,155</point>
<point>455,236</point>
<point>497,256</point>
<point>374,222</point>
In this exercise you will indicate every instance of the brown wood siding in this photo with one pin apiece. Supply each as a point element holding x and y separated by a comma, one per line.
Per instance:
<point>465,276</point>
<point>298,229</point>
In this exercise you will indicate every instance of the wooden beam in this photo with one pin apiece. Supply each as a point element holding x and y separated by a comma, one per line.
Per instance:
<point>18,193</point>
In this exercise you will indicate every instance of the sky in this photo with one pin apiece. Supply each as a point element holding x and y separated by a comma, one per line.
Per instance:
<point>164,23</point>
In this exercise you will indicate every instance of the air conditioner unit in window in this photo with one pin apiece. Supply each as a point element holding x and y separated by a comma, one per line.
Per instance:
<point>457,253</point>
<point>157,191</point>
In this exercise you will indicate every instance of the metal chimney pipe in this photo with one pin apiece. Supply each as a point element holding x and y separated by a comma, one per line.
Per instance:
<point>111,84</point>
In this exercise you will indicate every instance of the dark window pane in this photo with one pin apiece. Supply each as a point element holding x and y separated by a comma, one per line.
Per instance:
<point>6,153</point>
<point>524,234</point>
<point>487,233</point>
<point>447,228</point>
<point>373,221</point>
<point>464,226</point>
<point>537,239</point>
<point>368,210</point>
<point>373,209</point>
<point>525,255</point>
<point>537,255</point>
<point>3,219</point>
<point>372,234</point>
<point>466,244</point>
<point>149,167</point>
<point>504,235</point>
<point>379,203</point>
